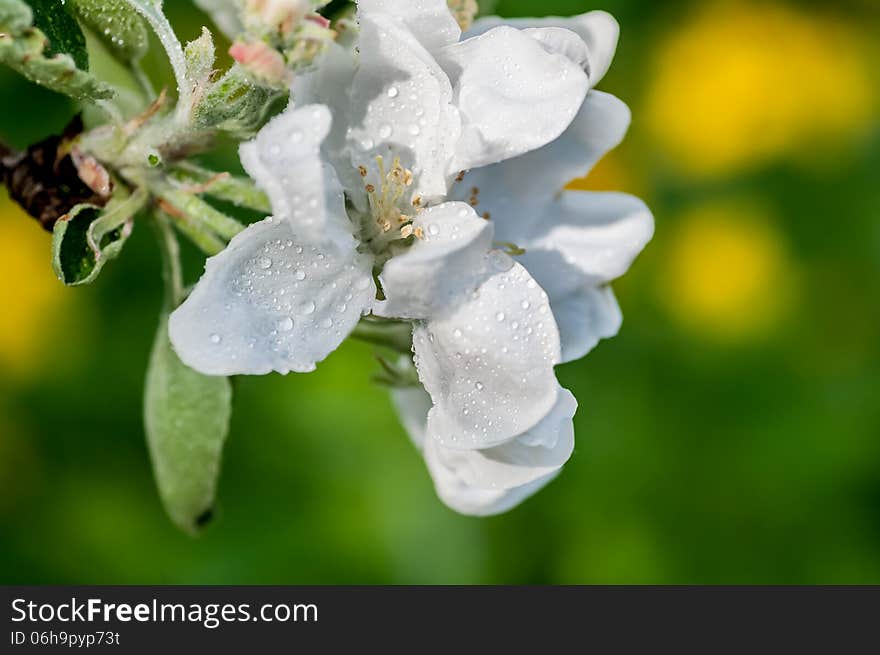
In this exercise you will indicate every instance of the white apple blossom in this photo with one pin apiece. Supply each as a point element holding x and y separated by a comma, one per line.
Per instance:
<point>378,172</point>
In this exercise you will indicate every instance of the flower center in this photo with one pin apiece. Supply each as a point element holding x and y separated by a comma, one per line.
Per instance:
<point>392,209</point>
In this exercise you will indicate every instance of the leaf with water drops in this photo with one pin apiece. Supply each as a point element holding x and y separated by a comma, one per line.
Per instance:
<point>25,48</point>
<point>186,416</point>
<point>114,22</point>
<point>62,31</point>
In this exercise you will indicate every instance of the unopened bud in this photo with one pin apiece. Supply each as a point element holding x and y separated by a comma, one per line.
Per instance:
<point>260,59</point>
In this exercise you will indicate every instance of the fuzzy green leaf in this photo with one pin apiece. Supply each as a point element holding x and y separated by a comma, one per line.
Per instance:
<point>61,29</point>
<point>86,238</point>
<point>119,26</point>
<point>237,103</point>
<point>186,415</point>
<point>25,48</point>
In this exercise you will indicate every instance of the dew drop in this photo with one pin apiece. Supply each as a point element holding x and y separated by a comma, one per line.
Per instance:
<point>300,275</point>
<point>264,263</point>
<point>285,324</point>
<point>385,131</point>
<point>216,338</point>
<point>500,317</point>
<point>433,229</point>
<point>393,92</point>
<point>308,307</point>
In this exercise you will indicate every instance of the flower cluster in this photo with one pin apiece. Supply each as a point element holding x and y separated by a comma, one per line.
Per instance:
<point>418,178</point>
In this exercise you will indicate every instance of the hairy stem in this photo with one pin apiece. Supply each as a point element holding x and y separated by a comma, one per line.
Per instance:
<point>390,334</point>
<point>172,272</point>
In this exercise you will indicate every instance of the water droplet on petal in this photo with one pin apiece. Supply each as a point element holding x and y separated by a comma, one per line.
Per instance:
<point>285,324</point>
<point>216,338</point>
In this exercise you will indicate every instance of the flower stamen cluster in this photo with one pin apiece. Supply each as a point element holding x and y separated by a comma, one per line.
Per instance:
<point>391,215</point>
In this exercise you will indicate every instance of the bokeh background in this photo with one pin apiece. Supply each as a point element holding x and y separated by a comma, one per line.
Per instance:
<point>730,434</point>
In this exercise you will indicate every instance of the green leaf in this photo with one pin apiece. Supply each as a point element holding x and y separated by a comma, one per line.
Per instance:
<point>53,19</point>
<point>237,103</point>
<point>119,26</point>
<point>200,56</point>
<point>186,415</point>
<point>86,238</point>
<point>23,47</point>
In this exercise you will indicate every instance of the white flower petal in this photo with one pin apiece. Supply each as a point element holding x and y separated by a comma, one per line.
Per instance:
<point>599,233</point>
<point>561,41</point>
<point>430,21</point>
<point>516,192</point>
<point>534,455</point>
<point>514,96</point>
<point>441,266</point>
<point>329,83</point>
<point>533,459</point>
<point>585,317</point>
<point>270,302</point>
<point>401,102</point>
<point>488,362</point>
<point>284,160</point>
<point>412,405</point>
<point>476,501</point>
<point>584,313</point>
<point>598,29</point>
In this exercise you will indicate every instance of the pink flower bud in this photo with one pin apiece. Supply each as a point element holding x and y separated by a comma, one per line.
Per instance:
<point>260,59</point>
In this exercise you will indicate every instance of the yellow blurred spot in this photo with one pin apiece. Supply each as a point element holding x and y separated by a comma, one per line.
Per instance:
<point>33,300</point>
<point>743,83</point>
<point>727,274</point>
<point>610,174</point>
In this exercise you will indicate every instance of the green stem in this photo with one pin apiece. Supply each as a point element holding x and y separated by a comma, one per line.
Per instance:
<point>239,191</point>
<point>143,81</point>
<point>388,334</point>
<point>203,240</point>
<point>172,271</point>
<point>200,212</point>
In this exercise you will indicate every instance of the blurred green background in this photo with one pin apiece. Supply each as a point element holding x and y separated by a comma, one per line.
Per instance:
<point>730,434</point>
